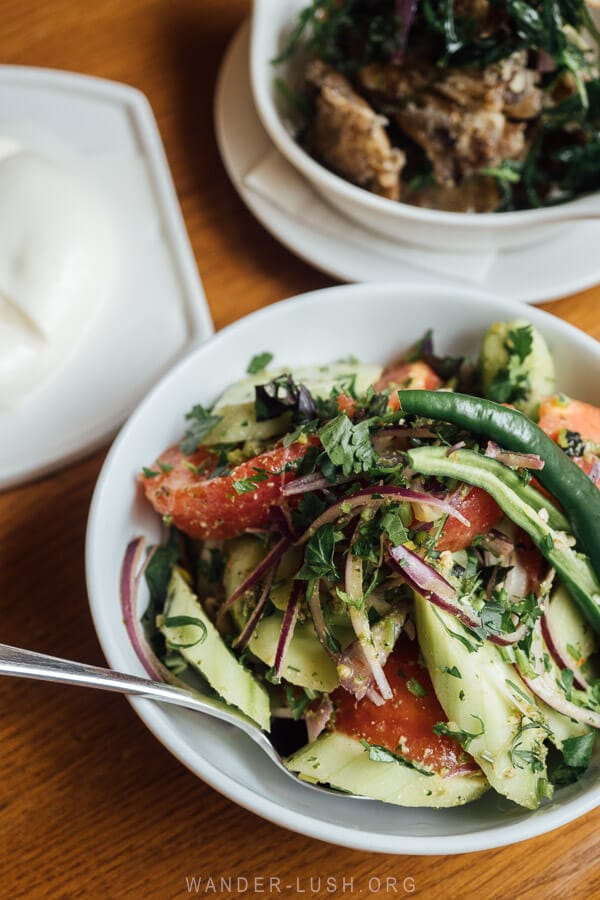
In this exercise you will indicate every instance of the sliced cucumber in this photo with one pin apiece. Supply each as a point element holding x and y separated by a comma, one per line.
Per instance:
<point>342,762</point>
<point>483,696</point>
<point>306,662</point>
<point>202,647</point>
<point>236,405</point>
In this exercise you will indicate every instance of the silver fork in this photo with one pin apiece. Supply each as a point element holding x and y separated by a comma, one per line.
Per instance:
<point>39,666</point>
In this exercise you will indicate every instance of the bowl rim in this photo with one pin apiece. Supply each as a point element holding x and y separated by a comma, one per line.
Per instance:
<point>330,182</point>
<point>161,725</point>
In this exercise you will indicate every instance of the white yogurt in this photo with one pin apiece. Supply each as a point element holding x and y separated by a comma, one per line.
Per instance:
<point>57,260</point>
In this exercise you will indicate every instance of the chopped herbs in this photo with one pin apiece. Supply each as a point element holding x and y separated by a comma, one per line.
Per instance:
<point>258,363</point>
<point>319,553</point>
<point>463,737</point>
<point>511,382</point>
<point>348,445</point>
<point>416,688</point>
<point>183,622</point>
<point>247,485</point>
<point>201,422</point>
<point>576,758</point>
<point>382,754</point>
<point>451,670</point>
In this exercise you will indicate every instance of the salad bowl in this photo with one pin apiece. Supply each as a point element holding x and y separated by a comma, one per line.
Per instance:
<point>272,24</point>
<point>374,324</point>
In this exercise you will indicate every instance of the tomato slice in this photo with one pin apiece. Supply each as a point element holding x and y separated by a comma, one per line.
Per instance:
<point>212,508</point>
<point>558,412</point>
<point>404,724</point>
<point>482,512</point>
<point>414,376</point>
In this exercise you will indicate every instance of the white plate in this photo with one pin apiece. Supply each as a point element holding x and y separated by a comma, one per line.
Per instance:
<point>157,311</point>
<point>539,272</point>
<point>374,323</point>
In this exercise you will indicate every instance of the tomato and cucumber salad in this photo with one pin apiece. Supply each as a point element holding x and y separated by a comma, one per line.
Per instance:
<point>405,560</point>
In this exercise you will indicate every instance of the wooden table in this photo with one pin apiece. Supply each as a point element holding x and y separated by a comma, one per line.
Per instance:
<point>91,805</point>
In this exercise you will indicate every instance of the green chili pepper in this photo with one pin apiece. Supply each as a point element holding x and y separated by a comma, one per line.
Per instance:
<point>512,430</point>
<point>472,468</point>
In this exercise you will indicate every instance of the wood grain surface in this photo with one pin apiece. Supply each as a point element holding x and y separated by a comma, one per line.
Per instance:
<point>91,805</point>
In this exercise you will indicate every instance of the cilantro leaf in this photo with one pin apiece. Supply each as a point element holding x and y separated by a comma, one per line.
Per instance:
<point>318,556</point>
<point>382,754</point>
<point>247,485</point>
<point>576,758</point>
<point>201,423</point>
<point>394,527</point>
<point>520,342</point>
<point>451,670</point>
<point>416,688</point>
<point>259,362</point>
<point>566,677</point>
<point>463,737</point>
<point>348,445</point>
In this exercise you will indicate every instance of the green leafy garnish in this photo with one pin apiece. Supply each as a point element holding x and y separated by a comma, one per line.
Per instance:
<point>348,445</point>
<point>451,670</point>
<point>576,758</point>
<point>463,737</point>
<point>383,755</point>
<point>201,423</point>
<point>182,622</point>
<point>247,485</point>
<point>318,556</point>
<point>259,362</point>
<point>416,688</point>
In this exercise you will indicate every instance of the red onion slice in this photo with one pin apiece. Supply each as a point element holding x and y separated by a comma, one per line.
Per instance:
<point>514,460</point>
<point>244,636</point>
<point>556,647</point>
<point>433,587</point>
<point>405,10</point>
<point>498,544</point>
<point>129,584</point>
<point>375,496</point>
<point>316,612</point>
<point>267,563</point>
<point>360,623</point>
<point>317,719</point>
<point>430,584</point>
<point>353,671</point>
<point>312,482</point>
<point>375,698</point>
<point>287,627</point>
<point>543,685</point>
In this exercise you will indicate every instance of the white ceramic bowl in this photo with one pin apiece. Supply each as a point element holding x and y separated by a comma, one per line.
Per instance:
<point>272,22</point>
<point>375,323</point>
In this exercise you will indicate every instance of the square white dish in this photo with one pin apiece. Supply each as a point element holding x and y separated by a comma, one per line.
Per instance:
<point>157,310</point>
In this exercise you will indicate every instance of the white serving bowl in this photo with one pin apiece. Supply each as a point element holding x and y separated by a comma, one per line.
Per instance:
<point>375,323</point>
<point>272,22</point>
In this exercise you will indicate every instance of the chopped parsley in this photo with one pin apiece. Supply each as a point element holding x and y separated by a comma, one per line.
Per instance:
<point>247,485</point>
<point>348,444</point>
<point>201,422</point>
<point>318,556</point>
<point>416,688</point>
<point>259,362</point>
<point>463,737</point>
